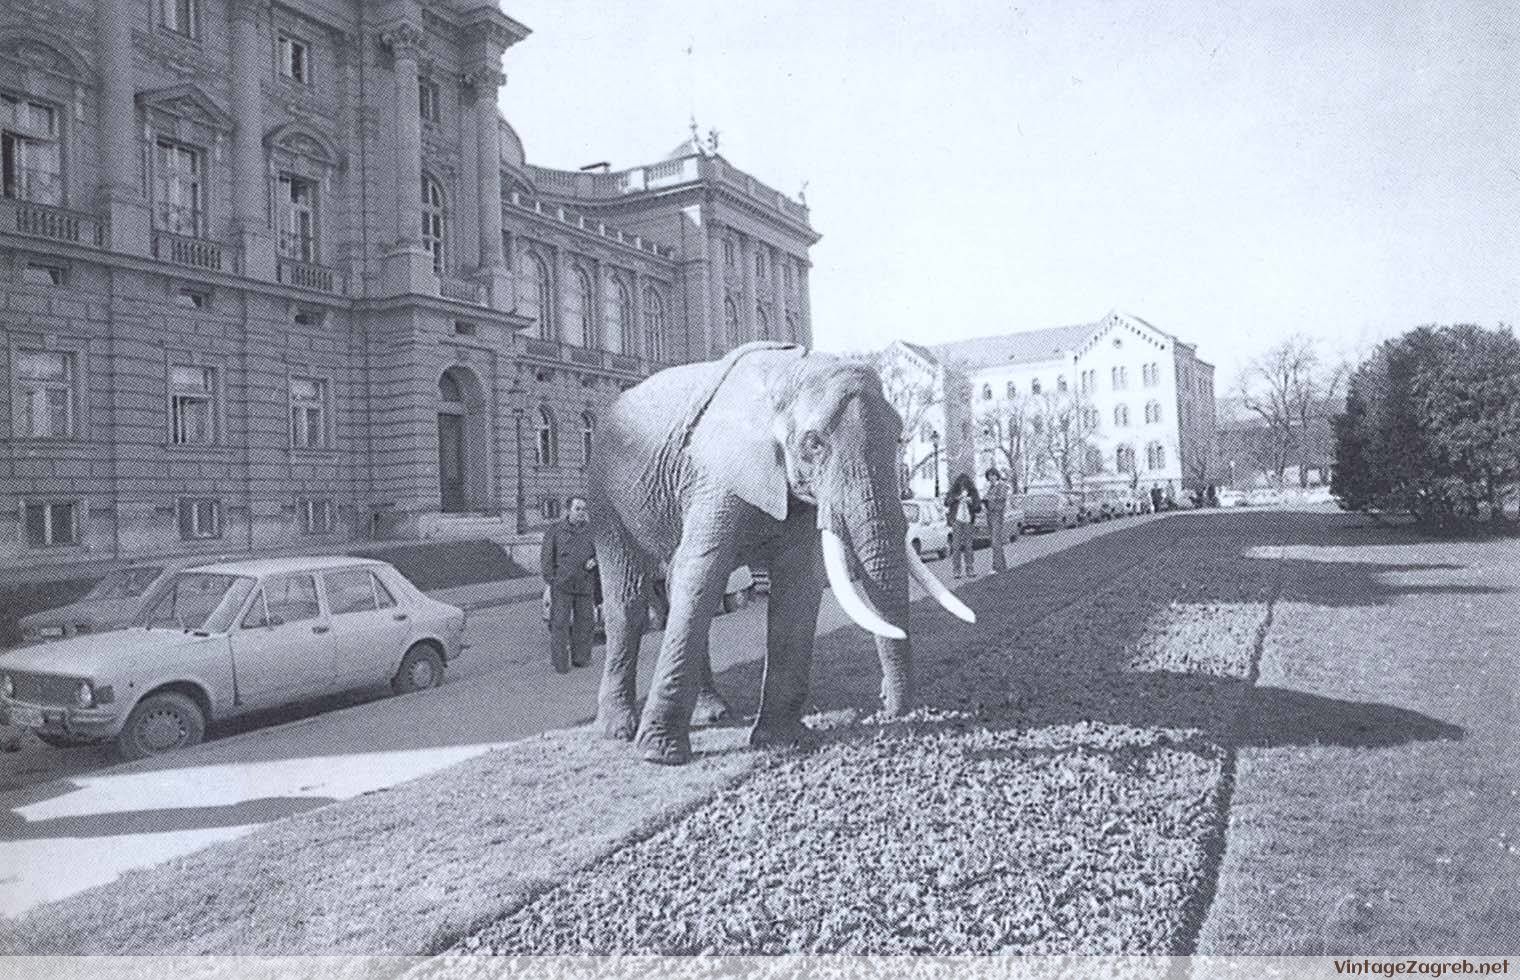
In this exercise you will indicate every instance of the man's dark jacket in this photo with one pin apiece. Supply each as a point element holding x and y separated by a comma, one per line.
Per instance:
<point>567,548</point>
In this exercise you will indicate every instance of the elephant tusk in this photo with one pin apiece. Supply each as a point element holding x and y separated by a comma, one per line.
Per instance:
<point>837,566</point>
<point>932,585</point>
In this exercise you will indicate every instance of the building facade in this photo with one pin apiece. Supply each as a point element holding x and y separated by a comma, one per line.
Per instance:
<point>1117,402</point>
<point>278,274</point>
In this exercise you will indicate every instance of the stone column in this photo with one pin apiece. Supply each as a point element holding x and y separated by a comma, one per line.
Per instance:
<point>494,272</point>
<point>778,280</point>
<point>748,249</point>
<point>805,305</point>
<point>249,176</point>
<point>121,149</point>
<point>409,269</point>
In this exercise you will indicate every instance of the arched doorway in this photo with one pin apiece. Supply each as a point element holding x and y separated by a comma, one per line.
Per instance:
<point>461,441</point>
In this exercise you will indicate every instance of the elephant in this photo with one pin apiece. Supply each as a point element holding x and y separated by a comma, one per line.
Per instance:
<point>773,455</point>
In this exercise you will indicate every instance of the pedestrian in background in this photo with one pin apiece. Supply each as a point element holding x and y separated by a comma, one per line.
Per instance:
<point>961,505</point>
<point>996,503</point>
<point>568,563</point>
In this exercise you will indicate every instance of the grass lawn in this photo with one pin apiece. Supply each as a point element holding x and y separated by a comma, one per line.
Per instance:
<point>1354,845</point>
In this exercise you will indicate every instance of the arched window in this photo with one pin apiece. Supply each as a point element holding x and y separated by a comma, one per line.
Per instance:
<point>1061,383</point>
<point>1012,391</point>
<point>1034,386</point>
<point>434,221</point>
<point>580,309</point>
<point>762,323</point>
<point>619,318</point>
<point>986,393</point>
<point>654,326</point>
<point>730,324</point>
<point>588,433</point>
<point>1121,415</point>
<point>448,388</point>
<point>546,448</point>
<point>1153,411</point>
<point>535,294</point>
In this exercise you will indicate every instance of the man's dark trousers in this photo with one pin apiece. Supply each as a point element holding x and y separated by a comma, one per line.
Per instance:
<point>572,628</point>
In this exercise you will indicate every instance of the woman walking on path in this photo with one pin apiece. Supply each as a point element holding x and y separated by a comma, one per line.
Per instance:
<point>961,506</point>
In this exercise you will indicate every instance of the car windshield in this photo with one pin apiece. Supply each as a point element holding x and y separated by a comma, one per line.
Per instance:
<point>199,602</point>
<point>125,583</point>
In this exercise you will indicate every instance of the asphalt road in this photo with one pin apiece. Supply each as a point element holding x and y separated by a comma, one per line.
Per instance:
<point>71,819</point>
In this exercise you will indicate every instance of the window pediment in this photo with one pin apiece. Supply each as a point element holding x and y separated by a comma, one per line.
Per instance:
<point>301,140</point>
<point>33,48</point>
<point>186,102</point>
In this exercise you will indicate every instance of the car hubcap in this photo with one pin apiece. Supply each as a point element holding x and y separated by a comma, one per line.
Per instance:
<point>162,730</point>
<point>422,673</point>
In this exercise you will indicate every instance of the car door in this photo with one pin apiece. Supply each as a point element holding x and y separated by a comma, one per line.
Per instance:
<point>368,627</point>
<point>283,648</point>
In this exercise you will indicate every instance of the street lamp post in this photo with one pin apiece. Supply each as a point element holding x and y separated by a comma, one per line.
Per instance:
<point>934,439</point>
<point>517,421</point>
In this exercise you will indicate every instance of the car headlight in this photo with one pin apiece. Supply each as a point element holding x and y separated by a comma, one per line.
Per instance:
<point>8,686</point>
<point>85,695</point>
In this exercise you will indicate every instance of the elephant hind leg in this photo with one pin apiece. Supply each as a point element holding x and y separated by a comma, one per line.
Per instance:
<point>625,612</point>
<point>711,709</point>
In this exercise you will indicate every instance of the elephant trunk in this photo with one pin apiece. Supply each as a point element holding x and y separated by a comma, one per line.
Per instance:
<point>870,517</point>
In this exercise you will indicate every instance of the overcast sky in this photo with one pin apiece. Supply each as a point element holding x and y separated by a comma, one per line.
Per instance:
<point>1231,171</point>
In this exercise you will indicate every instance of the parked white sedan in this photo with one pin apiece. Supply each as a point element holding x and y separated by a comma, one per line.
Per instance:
<point>927,531</point>
<point>226,639</point>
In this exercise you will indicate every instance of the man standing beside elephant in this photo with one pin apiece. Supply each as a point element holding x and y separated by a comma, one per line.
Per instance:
<point>568,563</point>
<point>995,500</point>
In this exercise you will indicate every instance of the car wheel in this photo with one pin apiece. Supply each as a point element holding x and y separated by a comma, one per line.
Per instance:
<point>422,667</point>
<point>60,741</point>
<point>161,723</point>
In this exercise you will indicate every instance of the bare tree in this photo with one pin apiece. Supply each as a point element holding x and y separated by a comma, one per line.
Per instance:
<point>1004,426</point>
<point>1069,424</point>
<point>911,391</point>
<point>1291,390</point>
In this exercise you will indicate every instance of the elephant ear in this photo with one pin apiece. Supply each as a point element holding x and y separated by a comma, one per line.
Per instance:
<point>733,438</point>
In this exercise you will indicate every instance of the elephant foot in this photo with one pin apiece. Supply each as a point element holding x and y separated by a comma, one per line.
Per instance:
<point>793,736</point>
<point>618,723</point>
<point>665,750</point>
<point>710,710</point>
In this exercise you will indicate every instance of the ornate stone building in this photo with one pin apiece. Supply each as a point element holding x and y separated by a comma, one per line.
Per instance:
<point>278,274</point>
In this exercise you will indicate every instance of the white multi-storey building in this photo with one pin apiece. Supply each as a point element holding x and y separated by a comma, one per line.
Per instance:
<point>1118,402</point>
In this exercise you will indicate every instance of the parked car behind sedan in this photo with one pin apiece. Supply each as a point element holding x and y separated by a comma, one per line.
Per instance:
<point>115,601</point>
<point>1048,510</point>
<point>226,639</point>
<point>928,533</point>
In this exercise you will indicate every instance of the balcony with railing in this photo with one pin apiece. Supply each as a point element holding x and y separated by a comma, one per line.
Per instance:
<point>197,253</point>
<point>51,222</point>
<point>554,352</point>
<point>594,226</point>
<point>309,275</point>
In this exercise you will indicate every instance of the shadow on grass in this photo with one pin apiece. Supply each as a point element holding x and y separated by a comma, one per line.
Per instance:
<point>14,827</point>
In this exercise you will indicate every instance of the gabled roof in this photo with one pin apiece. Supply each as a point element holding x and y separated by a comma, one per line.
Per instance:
<point>1028,347</point>
<point>921,351</point>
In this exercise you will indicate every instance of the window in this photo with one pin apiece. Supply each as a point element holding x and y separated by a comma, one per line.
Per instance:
<point>178,187</point>
<point>1121,415</point>
<point>308,413</point>
<point>465,328</point>
<point>986,393</point>
<point>730,254</point>
<point>192,399</point>
<point>181,16</point>
<point>549,508</point>
<point>581,315</point>
<point>428,101</point>
<point>31,165</point>
<point>47,391</point>
<point>620,326</point>
<point>540,293</point>
<point>52,524</point>
<point>1150,374</point>
<point>654,326</point>
<point>317,515</point>
<point>1093,458</point>
<point>1034,386</point>
<point>199,517</point>
<point>297,216</point>
<point>588,436</point>
<point>1155,456</point>
<point>1061,383</point>
<point>433,221</point>
<point>730,323</point>
<point>295,60</point>
<point>546,449</point>
<point>1153,411</point>
<point>762,264</point>
<point>1124,459</point>
<point>1120,378</point>
<point>291,598</point>
<point>1012,391</point>
<point>351,590</point>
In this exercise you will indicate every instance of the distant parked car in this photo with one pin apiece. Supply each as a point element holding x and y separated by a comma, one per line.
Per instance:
<point>1231,498</point>
<point>1265,497</point>
<point>228,638</point>
<point>927,531</point>
<point>115,601</point>
<point>1048,510</point>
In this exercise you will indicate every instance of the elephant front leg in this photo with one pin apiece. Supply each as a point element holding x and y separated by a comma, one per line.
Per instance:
<point>791,625</point>
<point>698,571</point>
<point>625,613</point>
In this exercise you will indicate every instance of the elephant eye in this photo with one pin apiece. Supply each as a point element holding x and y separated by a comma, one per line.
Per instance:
<point>812,445</point>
